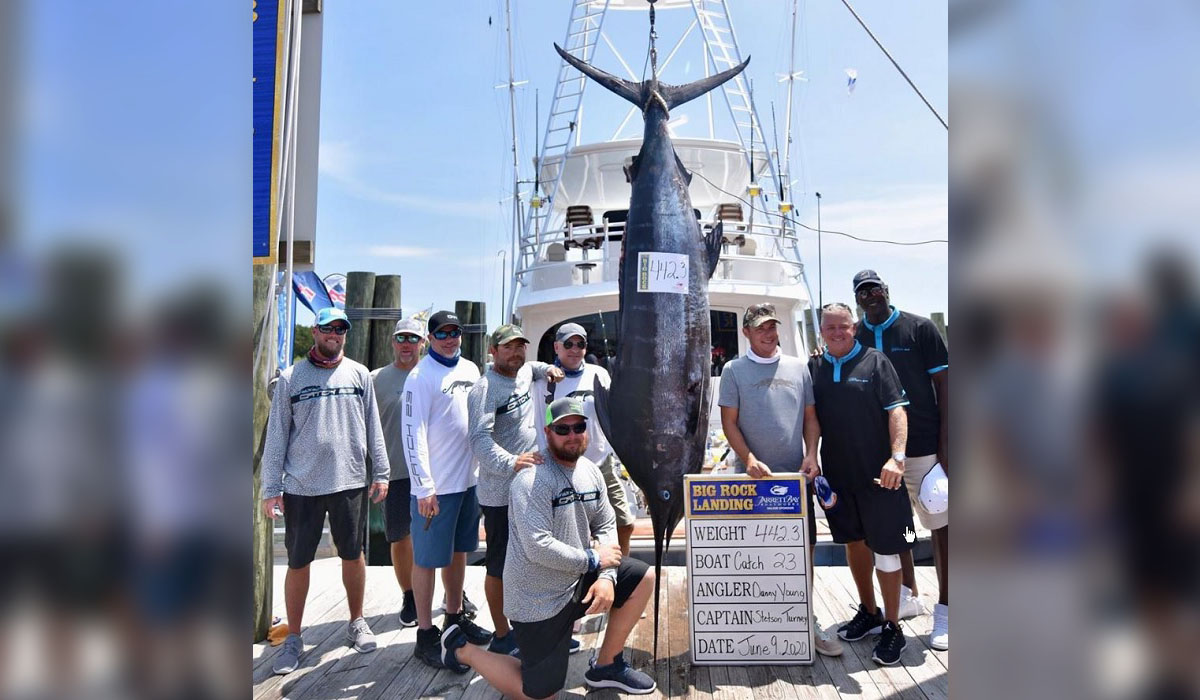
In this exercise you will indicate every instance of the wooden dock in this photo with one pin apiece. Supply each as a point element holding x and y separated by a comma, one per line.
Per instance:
<point>330,669</point>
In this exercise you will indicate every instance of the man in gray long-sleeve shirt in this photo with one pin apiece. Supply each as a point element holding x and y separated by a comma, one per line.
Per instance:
<point>323,421</point>
<point>563,563</point>
<point>500,416</point>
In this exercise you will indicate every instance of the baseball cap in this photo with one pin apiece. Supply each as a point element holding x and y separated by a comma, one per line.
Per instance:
<point>567,330</point>
<point>759,314</point>
<point>561,408</point>
<point>330,314</point>
<point>866,277</point>
<point>507,333</point>
<point>935,491</point>
<point>410,326</point>
<point>442,319</point>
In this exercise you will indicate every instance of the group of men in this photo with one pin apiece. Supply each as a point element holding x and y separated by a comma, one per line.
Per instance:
<point>875,400</point>
<point>443,443</point>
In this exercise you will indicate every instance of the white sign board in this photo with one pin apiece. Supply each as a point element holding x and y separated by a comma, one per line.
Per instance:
<point>747,559</point>
<point>663,272</point>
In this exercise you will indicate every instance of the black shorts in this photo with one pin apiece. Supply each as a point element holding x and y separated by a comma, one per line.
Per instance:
<point>495,525</point>
<point>882,517</point>
<point>304,519</point>
<point>396,516</point>
<point>546,644</point>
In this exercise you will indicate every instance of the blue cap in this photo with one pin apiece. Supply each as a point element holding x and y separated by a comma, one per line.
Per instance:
<point>330,314</point>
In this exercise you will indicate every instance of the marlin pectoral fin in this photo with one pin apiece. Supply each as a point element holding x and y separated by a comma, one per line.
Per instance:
<point>629,90</point>
<point>600,396</point>
<point>713,245</point>
<point>676,95</point>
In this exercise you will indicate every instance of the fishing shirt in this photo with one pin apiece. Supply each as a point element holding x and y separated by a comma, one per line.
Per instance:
<point>389,395</point>
<point>503,426</point>
<point>577,387</point>
<point>917,351</point>
<point>770,400</point>
<point>322,425</point>
<point>854,394</point>
<point>436,449</point>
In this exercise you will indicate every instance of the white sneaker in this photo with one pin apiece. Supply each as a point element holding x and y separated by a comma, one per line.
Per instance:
<point>939,638</point>
<point>825,643</point>
<point>910,605</point>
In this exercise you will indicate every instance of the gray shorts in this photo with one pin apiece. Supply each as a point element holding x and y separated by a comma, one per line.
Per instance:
<point>616,492</point>
<point>915,469</point>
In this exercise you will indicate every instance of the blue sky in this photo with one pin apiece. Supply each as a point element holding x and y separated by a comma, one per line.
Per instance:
<point>415,161</point>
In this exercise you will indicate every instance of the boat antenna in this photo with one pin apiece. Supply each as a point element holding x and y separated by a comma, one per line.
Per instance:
<point>779,175</point>
<point>653,50</point>
<point>506,313</point>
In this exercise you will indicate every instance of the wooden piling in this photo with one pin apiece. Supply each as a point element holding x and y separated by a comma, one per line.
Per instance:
<point>474,345</point>
<point>387,296</point>
<point>360,294</point>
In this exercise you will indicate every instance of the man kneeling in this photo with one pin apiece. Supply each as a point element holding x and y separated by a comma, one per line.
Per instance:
<point>562,556</point>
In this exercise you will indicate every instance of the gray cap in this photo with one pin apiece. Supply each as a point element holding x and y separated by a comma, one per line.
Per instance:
<point>561,408</point>
<point>567,330</point>
<point>410,326</point>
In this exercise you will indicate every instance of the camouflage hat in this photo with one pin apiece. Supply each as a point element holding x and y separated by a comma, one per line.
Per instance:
<point>759,314</point>
<point>506,334</point>
<point>561,408</point>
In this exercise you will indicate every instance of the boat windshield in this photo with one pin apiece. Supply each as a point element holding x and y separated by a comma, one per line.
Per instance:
<point>603,331</point>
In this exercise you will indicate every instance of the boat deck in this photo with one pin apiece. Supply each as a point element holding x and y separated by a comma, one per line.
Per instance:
<point>331,669</point>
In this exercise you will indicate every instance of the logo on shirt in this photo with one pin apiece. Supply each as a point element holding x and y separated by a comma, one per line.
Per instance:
<point>899,349</point>
<point>569,495</point>
<point>775,384</point>
<point>317,392</point>
<point>513,403</point>
<point>860,380</point>
<point>458,386</point>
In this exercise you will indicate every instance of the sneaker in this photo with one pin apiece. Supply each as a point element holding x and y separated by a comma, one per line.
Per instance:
<point>429,646</point>
<point>452,639</point>
<point>288,658</point>
<point>891,643</point>
<point>408,612</point>
<point>504,645</point>
<point>864,623</point>
<point>468,609</point>
<point>910,605</point>
<point>939,638</point>
<point>360,635</point>
<point>825,643</point>
<point>474,633</point>
<point>620,675</point>
<point>576,646</point>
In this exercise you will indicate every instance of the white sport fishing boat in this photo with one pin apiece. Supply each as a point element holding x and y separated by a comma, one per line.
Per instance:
<point>569,247</point>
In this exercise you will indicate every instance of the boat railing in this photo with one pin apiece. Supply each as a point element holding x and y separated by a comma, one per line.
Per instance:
<point>590,254</point>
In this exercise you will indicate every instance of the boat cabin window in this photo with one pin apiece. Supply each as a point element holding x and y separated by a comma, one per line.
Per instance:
<point>603,333</point>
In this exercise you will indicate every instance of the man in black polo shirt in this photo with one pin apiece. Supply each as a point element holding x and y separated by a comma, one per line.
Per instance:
<point>860,406</point>
<point>917,351</point>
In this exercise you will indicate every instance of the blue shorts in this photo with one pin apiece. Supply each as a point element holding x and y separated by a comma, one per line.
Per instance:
<point>454,529</point>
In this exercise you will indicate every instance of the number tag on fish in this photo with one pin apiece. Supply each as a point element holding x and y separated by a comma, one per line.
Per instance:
<point>663,272</point>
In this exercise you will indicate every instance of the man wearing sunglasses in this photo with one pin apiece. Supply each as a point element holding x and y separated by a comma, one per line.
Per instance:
<point>917,351</point>
<point>504,438</point>
<point>408,338</point>
<point>323,423</point>
<point>564,563</point>
<point>570,348</point>
<point>442,476</point>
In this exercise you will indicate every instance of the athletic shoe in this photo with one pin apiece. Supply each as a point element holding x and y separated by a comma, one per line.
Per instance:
<point>620,675</point>
<point>452,639</point>
<point>940,637</point>
<point>429,646</point>
<point>576,646</point>
<point>360,635</point>
<point>474,633</point>
<point>468,608</point>
<point>864,623</point>
<point>910,605</point>
<point>408,612</point>
<point>504,645</point>
<point>891,643</point>
<point>825,643</point>
<point>288,658</point>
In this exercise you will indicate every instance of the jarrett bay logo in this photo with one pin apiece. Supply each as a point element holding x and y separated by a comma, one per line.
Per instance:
<point>458,386</point>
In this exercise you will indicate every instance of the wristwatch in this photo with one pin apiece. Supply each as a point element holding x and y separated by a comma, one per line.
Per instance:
<point>898,457</point>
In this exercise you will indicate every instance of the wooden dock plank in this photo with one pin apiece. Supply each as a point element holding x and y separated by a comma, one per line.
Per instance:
<point>848,673</point>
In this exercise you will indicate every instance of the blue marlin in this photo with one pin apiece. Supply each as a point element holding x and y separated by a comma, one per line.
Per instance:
<point>655,415</point>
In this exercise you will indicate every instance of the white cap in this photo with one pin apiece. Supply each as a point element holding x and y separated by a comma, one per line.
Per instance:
<point>411,326</point>
<point>935,491</point>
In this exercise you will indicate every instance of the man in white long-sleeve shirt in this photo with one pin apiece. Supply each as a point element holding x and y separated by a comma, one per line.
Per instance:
<point>563,563</point>
<point>442,474</point>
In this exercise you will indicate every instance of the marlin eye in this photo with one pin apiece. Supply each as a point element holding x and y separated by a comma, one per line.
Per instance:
<point>666,495</point>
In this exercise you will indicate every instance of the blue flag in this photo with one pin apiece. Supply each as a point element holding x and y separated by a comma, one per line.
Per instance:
<point>310,290</point>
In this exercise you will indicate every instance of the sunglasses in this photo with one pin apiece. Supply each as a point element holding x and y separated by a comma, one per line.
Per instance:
<point>409,339</point>
<point>442,335</point>
<point>339,329</point>
<point>868,291</point>
<point>569,344</point>
<point>577,428</point>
